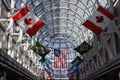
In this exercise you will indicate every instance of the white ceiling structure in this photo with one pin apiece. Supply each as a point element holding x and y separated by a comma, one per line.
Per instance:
<point>63,19</point>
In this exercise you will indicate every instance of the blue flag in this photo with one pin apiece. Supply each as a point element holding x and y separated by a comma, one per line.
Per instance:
<point>57,52</point>
<point>72,70</point>
<point>49,69</point>
<point>76,62</point>
<point>46,62</point>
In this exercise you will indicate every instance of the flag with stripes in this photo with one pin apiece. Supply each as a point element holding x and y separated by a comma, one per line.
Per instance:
<point>60,62</point>
<point>99,20</point>
<point>64,52</point>
<point>57,63</point>
<point>63,59</point>
<point>28,21</point>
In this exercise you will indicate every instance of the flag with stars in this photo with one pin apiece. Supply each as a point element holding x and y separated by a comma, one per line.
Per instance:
<point>99,20</point>
<point>40,49</point>
<point>83,48</point>
<point>28,21</point>
<point>57,52</point>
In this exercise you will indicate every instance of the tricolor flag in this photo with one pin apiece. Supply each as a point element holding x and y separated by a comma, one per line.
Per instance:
<point>40,49</point>
<point>28,21</point>
<point>83,48</point>
<point>77,61</point>
<point>99,20</point>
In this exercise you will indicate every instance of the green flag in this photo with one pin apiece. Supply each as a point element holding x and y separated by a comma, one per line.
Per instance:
<point>83,48</point>
<point>40,49</point>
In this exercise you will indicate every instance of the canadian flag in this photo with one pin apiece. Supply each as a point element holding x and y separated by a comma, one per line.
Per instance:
<point>28,21</point>
<point>99,20</point>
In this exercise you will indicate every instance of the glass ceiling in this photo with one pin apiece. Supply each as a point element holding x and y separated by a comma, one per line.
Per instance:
<point>63,19</point>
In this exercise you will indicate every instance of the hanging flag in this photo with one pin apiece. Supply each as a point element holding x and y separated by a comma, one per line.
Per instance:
<point>50,68</point>
<point>72,67</point>
<point>99,20</point>
<point>57,52</point>
<point>76,62</point>
<point>63,58</point>
<point>64,52</point>
<point>63,62</point>
<point>57,62</point>
<point>49,77</point>
<point>60,62</point>
<point>72,70</point>
<point>40,49</point>
<point>49,71</point>
<point>28,21</point>
<point>46,62</point>
<point>83,48</point>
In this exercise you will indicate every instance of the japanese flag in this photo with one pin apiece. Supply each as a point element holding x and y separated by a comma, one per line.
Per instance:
<point>28,21</point>
<point>99,20</point>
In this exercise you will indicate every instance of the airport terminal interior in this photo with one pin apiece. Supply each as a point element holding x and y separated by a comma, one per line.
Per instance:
<point>59,39</point>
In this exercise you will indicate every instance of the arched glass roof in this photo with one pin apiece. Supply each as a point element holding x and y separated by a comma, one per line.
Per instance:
<point>63,19</point>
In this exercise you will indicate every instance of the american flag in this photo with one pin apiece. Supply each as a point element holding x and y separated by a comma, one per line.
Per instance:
<point>60,62</point>
<point>57,63</point>
<point>64,52</point>
<point>57,52</point>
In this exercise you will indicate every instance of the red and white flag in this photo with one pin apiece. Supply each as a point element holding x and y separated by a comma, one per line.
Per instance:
<point>57,62</point>
<point>64,52</point>
<point>99,20</point>
<point>28,21</point>
<point>61,62</point>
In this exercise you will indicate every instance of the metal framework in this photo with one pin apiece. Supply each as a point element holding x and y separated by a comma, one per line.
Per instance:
<point>63,29</point>
<point>13,40</point>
